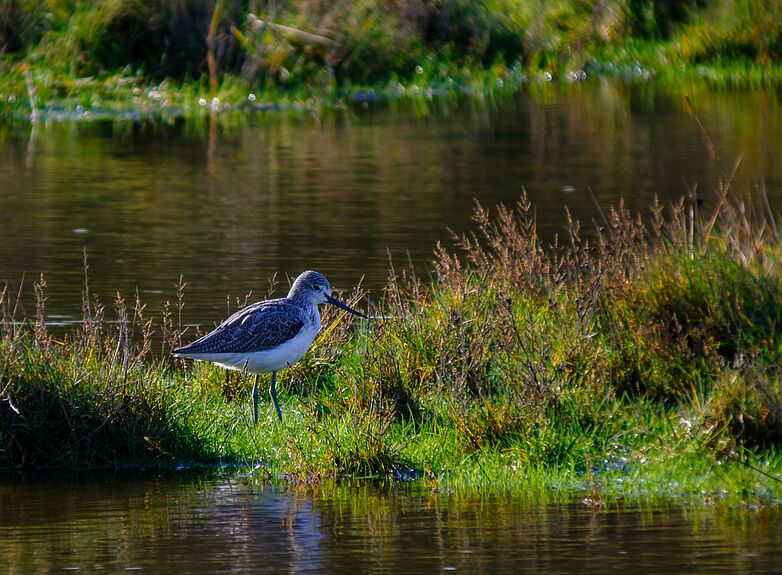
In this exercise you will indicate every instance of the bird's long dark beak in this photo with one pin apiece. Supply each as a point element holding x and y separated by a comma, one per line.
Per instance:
<point>339,304</point>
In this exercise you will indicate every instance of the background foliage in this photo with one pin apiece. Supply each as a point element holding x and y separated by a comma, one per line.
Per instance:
<point>377,39</point>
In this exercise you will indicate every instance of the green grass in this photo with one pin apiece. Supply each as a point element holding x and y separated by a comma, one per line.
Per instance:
<point>112,58</point>
<point>637,360</point>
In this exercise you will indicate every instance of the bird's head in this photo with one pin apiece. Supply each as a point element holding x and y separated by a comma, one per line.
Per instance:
<point>313,287</point>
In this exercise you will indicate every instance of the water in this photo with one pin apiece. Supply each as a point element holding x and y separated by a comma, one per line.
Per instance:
<point>227,204</point>
<point>194,523</point>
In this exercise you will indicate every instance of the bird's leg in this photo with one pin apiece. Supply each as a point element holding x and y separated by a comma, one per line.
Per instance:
<point>255,400</point>
<point>273,392</point>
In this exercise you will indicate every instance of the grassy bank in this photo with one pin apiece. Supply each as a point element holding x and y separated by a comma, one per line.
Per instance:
<point>639,359</point>
<point>63,58</point>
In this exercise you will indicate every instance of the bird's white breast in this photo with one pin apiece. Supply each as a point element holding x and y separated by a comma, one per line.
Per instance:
<point>274,359</point>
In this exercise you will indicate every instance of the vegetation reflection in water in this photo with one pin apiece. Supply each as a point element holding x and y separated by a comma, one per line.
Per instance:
<point>187,522</point>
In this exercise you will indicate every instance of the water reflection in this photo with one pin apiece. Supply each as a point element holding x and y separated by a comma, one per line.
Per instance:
<point>229,205</point>
<point>194,523</point>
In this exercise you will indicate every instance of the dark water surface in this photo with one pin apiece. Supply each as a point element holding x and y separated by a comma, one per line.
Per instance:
<point>198,524</point>
<point>229,203</point>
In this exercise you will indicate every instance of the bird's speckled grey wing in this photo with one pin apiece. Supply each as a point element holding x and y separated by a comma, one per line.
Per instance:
<point>257,327</point>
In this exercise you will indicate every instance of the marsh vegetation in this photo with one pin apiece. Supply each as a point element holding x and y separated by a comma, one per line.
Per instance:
<point>82,59</point>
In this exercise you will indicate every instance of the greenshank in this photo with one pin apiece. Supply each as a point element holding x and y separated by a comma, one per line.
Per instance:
<point>269,335</point>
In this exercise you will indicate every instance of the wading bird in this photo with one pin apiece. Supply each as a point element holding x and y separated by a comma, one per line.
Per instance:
<point>269,335</point>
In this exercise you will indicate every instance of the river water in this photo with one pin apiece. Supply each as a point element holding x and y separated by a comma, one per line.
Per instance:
<point>196,523</point>
<point>227,204</point>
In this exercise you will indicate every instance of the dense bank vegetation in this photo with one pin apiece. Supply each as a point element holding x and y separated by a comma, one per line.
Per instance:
<point>170,54</point>
<point>641,358</point>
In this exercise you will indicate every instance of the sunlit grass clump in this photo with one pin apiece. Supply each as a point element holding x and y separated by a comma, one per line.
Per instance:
<point>572,355</point>
<point>645,344</point>
<point>638,358</point>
